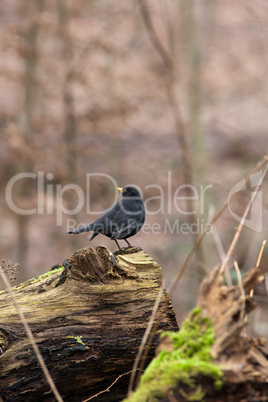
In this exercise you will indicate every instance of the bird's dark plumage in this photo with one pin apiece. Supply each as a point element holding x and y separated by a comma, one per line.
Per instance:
<point>123,220</point>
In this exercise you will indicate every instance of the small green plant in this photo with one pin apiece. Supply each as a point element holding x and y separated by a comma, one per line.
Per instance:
<point>35,280</point>
<point>77,338</point>
<point>190,357</point>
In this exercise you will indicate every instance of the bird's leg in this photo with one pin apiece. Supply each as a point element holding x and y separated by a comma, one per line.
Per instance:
<point>119,248</point>
<point>129,245</point>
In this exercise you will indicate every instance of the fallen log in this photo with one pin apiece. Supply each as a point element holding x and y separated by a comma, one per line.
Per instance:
<point>88,318</point>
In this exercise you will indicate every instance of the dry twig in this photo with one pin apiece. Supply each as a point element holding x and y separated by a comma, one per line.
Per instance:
<point>110,386</point>
<point>240,284</point>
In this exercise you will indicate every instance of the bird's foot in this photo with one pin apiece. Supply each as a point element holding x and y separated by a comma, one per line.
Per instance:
<point>128,250</point>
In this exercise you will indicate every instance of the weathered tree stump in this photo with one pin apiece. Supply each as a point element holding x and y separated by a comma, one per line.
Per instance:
<point>87,319</point>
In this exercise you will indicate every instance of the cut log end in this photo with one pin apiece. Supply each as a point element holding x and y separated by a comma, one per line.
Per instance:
<point>99,265</point>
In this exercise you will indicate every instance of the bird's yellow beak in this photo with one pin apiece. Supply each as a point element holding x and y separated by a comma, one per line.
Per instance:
<point>119,189</point>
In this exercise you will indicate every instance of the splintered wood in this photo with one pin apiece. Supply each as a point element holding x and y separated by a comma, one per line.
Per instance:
<point>240,357</point>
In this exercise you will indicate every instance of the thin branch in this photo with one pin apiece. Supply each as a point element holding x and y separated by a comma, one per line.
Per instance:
<point>221,251</point>
<point>260,253</point>
<point>257,266</point>
<point>217,238</point>
<point>242,290</point>
<point>167,60</point>
<point>31,338</point>
<point>110,386</point>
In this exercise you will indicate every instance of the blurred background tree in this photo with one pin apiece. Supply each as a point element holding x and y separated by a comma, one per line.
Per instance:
<point>152,93</point>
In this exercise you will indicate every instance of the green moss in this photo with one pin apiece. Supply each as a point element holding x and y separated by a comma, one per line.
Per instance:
<point>34,280</point>
<point>190,357</point>
<point>46,274</point>
<point>198,395</point>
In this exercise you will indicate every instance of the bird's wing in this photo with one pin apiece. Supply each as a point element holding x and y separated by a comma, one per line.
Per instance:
<point>105,224</point>
<point>128,221</point>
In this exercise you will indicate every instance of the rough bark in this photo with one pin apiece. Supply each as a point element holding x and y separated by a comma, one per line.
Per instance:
<point>103,298</point>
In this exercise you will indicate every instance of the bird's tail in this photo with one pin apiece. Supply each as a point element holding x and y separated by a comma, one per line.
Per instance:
<point>85,228</point>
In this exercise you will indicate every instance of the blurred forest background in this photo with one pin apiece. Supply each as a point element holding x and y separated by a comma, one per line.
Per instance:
<point>141,91</point>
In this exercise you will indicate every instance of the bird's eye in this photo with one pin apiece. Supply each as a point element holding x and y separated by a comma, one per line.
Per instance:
<point>124,191</point>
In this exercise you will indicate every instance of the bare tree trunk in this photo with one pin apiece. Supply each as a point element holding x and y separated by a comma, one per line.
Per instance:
<point>170,63</point>
<point>26,121</point>
<point>192,38</point>
<point>68,101</point>
<point>70,132</point>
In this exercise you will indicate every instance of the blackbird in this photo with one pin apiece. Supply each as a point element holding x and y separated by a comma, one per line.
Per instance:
<point>123,220</point>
